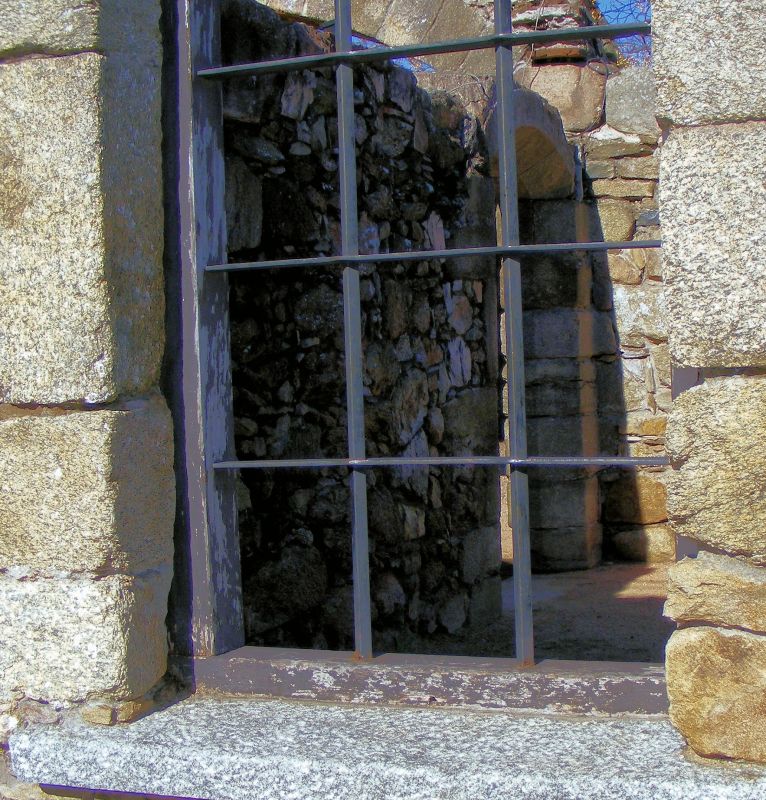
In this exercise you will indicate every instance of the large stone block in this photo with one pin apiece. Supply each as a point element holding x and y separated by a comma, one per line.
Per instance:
<point>563,504</point>
<point>89,490</point>
<point>568,333</point>
<point>712,195</point>
<point>718,590</point>
<point>716,682</point>
<point>640,312</point>
<point>636,498</point>
<point>576,91</point>
<point>56,27</point>
<point>481,553</point>
<point>48,26</point>
<point>631,100</point>
<point>563,549</point>
<point>715,439</point>
<point>81,230</point>
<point>706,69</point>
<point>649,544</point>
<point>69,638</point>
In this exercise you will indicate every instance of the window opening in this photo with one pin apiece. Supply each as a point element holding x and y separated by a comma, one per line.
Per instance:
<point>356,461</point>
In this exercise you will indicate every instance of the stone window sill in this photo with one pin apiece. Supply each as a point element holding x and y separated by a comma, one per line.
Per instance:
<point>239,749</point>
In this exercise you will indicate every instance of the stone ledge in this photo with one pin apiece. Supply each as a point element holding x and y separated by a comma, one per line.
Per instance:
<point>232,749</point>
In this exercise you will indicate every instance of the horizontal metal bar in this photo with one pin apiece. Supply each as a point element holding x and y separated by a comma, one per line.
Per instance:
<point>447,461</point>
<point>428,49</point>
<point>426,255</point>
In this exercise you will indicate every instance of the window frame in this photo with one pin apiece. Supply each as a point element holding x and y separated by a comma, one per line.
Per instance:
<point>206,609</point>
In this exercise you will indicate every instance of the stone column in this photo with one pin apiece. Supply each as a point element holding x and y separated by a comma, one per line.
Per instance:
<point>711,81</point>
<point>86,465</point>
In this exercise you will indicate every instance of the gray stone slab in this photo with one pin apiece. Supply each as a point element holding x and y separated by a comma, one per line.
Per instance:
<point>237,749</point>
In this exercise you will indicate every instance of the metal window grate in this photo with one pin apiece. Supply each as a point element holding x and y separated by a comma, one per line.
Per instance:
<point>344,59</point>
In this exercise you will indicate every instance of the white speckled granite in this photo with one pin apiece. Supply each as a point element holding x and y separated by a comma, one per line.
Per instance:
<point>277,750</point>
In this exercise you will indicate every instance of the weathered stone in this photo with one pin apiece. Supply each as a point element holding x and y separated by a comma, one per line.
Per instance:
<point>570,436</point>
<point>636,498</point>
<point>631,99</point>
<point>297,94</point>
<point>661,364</point>
<point>618,187</point>
<point>319,310</point>
<point>73,637</point>
<point>81,224</point>
<point>461,315</point>
<point>459,360</point>
<point>470,423</point>
<point>414,526</point>
<point>710,177</point>
<point>606,142</point>
<point>596,170</point>
<point>453,613</point>
<point>389,595</point>
<point>649,544</point>
<point>381,367</point>
<point>644,167</point>
<point>640,313</point>
<point>717,590</point>
<point>98,714</point>
<point>621,386</point>
<point>564,399</point>
<point>648,217</point>
<point>481,553</point>
<point>57,27</point>
<point>564,503</point>
<point>284,588</point>
<point>717,687</point>
<point>697,83</point>
<point>485,605</point>
<point>410,405</point>
<point>715,492</point>
<point>577,92</point>
<point>567,333</point>
<point>88,490</point>
<point>563,549</point>
<point>624,269</point>
<point>617,220</point>
<point>435,425</point>
<point>244,206</point>
<point>644,424</point>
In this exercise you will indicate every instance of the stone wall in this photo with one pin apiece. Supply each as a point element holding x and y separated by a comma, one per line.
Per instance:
<point>86,456</point>
<point>608,115</point>
<point>430,349</point>
<point>711,103</point>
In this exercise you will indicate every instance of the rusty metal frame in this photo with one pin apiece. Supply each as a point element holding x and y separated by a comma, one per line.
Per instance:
<point>209,541</point>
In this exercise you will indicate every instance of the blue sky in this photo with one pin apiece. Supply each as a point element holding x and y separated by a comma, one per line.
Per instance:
<point>607,5</point>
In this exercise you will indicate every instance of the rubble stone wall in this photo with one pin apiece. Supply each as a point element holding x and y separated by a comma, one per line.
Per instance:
<point>430,349</point>
<point>711,103</point>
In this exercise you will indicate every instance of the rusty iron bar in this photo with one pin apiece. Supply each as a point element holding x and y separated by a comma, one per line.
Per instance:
<point>373,54</point>
<point>517,250</point>
<point>352,332</point>
<point>527,462</point>
<point>518,491</point>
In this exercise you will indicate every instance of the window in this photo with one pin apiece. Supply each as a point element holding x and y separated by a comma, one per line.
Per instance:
<point>214,629</point>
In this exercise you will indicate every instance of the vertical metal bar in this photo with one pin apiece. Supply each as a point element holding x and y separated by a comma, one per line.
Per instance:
<point>353,333</point>
<point>514,340</point>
